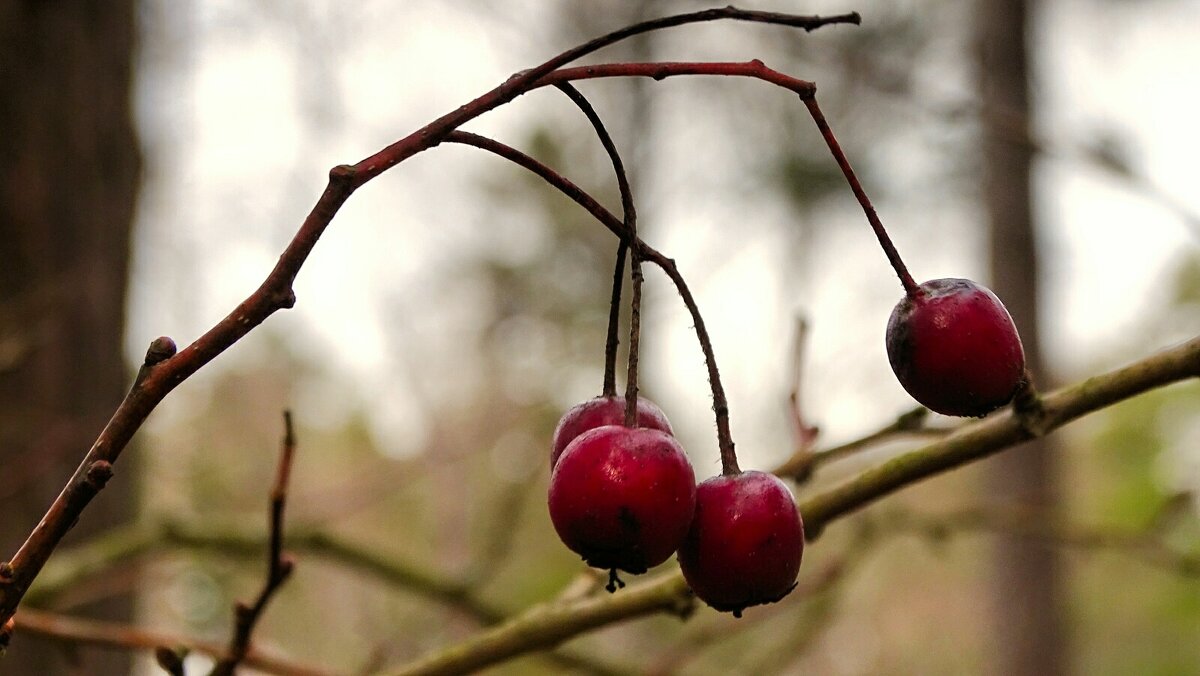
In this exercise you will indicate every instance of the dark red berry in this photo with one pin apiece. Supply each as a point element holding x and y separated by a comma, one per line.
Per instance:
<point>745,543</point>
<point>955,349</point>
<point>623,497</point>
<point>603,411</point>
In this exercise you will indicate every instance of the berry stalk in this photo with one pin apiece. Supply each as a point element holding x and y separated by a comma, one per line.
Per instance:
<point>729,462</point>
<point>889,249</point>
<point>614,320</point>
<point>629,217</point>
<point>635,327</point>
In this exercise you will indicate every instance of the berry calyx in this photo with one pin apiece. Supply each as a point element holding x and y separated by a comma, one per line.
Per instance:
<point>955,349</point>
<point>745,543</point>
<point>623,497</point>
<point>604,410</point>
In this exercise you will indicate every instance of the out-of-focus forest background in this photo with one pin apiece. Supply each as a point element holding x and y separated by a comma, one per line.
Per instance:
<point>457,307</point>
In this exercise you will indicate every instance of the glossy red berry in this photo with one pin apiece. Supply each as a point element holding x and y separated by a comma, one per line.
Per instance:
<point>602,411</point>
<point>955,348</point>
<point>622,497</point>
<point>745,543</point>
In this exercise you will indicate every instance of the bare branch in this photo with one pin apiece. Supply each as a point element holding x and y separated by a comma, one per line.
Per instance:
<point>113,635</point>
<point>279,566</point>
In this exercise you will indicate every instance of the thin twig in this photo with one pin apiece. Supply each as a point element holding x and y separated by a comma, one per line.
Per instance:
<point>279,566</point>
<point>804,433</point>
<point>525,80</point>
<point>612,339</point>
<point>889,249</point>
<point>114,635</point>
<point>629,218</point>
<point>581,197</point>
<point>804,462</point>
<point>635,330</point>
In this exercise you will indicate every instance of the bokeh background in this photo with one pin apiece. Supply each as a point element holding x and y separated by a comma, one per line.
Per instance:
<point>456,307</point>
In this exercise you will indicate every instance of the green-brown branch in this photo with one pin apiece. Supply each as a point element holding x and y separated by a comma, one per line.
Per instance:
<point>544,626</point>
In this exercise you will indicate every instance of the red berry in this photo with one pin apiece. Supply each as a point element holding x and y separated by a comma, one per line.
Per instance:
<point>622,497</point>
<point>955,349</point>
<point>602,411</point>
<point>745,543</point>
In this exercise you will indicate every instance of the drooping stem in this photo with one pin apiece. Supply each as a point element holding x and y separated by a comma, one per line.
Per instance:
<point>729,464</point>
<point>630,215</point>
<point>889,249</point>
<point>635,330</point>
<point>614,321</point>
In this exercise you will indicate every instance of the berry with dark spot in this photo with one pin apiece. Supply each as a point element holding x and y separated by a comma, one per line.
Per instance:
<point>622,497</point>
<point>604,410</point>
<point>955,349</point>
<point>745,543</point>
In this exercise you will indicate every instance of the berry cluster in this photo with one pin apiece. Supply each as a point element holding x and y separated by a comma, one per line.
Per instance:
<point>625,498</point>
<point>623,494</point>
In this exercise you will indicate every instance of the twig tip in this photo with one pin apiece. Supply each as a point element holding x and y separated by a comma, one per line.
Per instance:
<point>170,660</point>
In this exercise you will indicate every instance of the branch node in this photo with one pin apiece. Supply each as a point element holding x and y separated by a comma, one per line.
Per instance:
<point>342,174</point>
<point>802,465</point>
<point>913,420</point>
<point>6,573</point>
<point>1028,408</point>
<point>98,474</point>
<point>285,299</point>
<point>160,350</point>
<point>286,566</point>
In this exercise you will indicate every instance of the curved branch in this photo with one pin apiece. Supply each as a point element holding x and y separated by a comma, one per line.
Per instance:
<point>524,81</point>
<point>163,369</point>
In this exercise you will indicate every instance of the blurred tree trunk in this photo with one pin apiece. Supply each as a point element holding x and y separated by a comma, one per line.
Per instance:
<point>69,169</point>
<point>1026,583</point>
